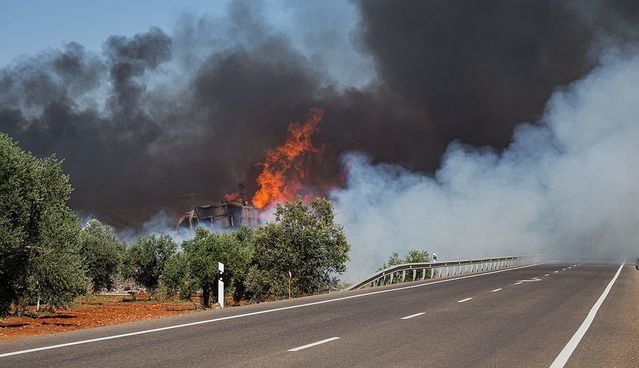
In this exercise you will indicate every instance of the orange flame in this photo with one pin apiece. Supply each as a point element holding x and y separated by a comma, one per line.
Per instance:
<point>285,166</point>
<point>233,197</point>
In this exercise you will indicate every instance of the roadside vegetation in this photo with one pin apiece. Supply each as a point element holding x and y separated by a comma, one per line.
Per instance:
<point>413,256</point>
<point>47,259</point>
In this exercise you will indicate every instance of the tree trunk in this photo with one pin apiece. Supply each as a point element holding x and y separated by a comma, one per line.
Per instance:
<point>206,295</point>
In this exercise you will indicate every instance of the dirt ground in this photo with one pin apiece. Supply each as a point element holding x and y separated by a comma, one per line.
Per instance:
<point>91,312</point>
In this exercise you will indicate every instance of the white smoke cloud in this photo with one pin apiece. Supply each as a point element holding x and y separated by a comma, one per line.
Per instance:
<point>566,187</point>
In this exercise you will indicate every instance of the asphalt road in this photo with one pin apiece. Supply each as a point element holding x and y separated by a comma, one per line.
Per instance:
<point>517,318</point>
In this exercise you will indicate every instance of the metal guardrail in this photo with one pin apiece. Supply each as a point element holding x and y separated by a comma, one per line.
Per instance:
<point>430,270</point>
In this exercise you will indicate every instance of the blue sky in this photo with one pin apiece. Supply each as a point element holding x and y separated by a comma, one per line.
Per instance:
<point>28,26</point>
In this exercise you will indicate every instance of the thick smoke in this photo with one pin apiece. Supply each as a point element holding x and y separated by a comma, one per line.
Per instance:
<point>165,120</point>
<point>565,188</point>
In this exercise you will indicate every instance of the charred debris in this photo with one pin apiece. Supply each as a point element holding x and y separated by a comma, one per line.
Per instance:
<point>233,211</point>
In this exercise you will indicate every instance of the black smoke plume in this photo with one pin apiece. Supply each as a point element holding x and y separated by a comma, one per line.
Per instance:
<point>162,121</point>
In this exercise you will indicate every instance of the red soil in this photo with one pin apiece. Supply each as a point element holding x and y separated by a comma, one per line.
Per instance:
<point>94,312</point>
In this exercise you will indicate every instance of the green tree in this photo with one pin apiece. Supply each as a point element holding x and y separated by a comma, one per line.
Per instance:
<point>147,257</point>
<point>413,256</point>
<point>39,252</point>
<point>305,241</point>
<point>176,279</point>
<point>417,256</point>
<point>393,260</point>
<point>233,248</point>
<point>103,253</point>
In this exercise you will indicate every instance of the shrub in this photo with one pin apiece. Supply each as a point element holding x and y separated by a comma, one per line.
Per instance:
<point>147,257</point>
<point>305,241</point>
<point>176,279</point>
<point>102,252</point>
<point>206,249</point>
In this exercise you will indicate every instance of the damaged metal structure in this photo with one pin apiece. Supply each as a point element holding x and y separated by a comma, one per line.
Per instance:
<point>227,214</point>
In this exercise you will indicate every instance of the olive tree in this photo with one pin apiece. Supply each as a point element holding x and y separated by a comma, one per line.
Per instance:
<point>103,254</point>
<point>40,259</point>
<point>233,248</point>
<point>176,279</point>
<point>305,241</point>
<point>413,256</point>
<point>147,257</point>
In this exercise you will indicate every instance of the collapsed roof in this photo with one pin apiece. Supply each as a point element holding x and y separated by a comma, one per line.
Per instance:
<point>225,215</point>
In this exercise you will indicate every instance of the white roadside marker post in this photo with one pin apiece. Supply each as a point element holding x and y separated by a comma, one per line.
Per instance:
<point>220,284</point>
<point>290,276</point>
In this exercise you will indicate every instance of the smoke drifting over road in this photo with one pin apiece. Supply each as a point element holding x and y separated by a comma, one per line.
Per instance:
<point>565,188</point>
<point>163,120</point>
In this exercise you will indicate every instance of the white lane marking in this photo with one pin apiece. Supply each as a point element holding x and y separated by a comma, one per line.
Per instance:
<point>464,300</point>
<point>570,347</point>
<point>80,342</point>
<point>518,283</point>
<point>556,271</point>
<point>496,290</point>
<point>534,279</point>
<point>314,344</point>
<point>413,315</point>
<point>546,275</point>
<point>563,269</point>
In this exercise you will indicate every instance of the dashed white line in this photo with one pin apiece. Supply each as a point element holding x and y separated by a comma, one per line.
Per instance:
<point>518,283</point>
<point>556,271</point>
<point>464,300</point>
<point>546,275</point>
<point>496,290</point>
<point>413,315</point>
<point>563,269</point>
<point>570,347</point>
<point>314,344</point>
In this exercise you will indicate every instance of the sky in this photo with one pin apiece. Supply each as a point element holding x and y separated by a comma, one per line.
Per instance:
<point>31,26</point>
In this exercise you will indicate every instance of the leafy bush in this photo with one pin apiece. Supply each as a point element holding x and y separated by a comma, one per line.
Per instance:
<point>206,249</point>
<point>413,256</point>
<point>304,241</point>
<point>102,252</point>
<point>176,279</point>
<point>39,253</point>
<point>147,257</point>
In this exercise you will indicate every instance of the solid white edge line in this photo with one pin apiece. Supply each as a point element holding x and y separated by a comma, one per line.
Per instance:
<point>413,315</point>
<point>570,347</point>
<point>255,313</point>
<point>464,300</point>
<point>496,290</point>
<point>314,344</point>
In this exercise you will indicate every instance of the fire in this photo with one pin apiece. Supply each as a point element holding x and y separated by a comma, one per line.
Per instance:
<point>233,197</point>
<point>284,167</point>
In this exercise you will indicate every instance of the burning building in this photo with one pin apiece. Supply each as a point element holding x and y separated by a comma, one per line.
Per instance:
<point>223,215</point>
<point>226,215</point>
<point>284,172</point>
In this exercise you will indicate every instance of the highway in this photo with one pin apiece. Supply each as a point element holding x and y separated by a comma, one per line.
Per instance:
<point>525,317</point>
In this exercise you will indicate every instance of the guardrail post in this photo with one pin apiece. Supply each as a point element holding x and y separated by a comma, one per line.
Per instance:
<point>404,276</point>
